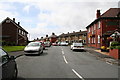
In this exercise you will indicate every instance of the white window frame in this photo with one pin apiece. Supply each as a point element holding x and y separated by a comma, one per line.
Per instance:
<point>98,38</point>
<point>89,29</point>
<point>99,25</point>
<point>94,40</point>
<point>88,40</point>
<point>94,26</point>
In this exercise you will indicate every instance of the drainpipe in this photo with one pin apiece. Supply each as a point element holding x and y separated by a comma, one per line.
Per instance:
<point>17,36</point>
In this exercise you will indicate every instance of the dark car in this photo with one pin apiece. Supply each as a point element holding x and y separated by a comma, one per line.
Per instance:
<point>8,66</point>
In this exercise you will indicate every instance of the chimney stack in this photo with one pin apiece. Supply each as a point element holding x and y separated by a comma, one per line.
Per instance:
<point>19,23</point>
<point>14,19</point>
<point>53,33</point>
<point>46,35</point>
<point>98,14</point>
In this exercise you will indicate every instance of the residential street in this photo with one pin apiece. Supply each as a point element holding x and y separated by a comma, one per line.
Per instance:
<point>61,62</point>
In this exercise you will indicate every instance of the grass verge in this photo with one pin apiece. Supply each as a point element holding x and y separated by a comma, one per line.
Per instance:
<point>13,48</point>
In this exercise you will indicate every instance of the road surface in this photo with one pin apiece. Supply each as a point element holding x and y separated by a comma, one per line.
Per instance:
<point>59,62</point>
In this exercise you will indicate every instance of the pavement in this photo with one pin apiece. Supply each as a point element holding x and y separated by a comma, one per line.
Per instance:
<point>102,56</point>
<point>16,53</point>
<point>96,52</point>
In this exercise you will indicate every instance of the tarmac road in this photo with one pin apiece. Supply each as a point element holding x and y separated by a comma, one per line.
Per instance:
<point>59,62</point>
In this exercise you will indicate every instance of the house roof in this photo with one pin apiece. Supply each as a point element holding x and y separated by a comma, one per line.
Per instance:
<point>14,24</point>
<point>108,33</point>
<point>74,33</point>
<point>112,13</point>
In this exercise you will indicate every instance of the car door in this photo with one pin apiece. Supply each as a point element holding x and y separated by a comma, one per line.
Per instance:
<point>8,66</point>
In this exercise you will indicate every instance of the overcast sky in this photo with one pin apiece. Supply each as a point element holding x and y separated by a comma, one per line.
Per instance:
<point>42,17</point>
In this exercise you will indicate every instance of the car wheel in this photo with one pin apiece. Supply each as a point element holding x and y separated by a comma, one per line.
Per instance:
<point>15,74</point>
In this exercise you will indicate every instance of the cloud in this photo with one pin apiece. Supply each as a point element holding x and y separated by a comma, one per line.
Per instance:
<point>59,16</point>
<point>26,8</point>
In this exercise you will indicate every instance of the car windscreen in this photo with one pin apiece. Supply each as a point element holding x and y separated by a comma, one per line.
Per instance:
<point>34,44</point>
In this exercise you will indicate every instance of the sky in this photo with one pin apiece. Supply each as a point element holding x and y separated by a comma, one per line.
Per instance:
<point>43,17</point>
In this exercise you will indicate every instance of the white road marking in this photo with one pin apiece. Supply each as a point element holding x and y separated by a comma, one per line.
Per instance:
<point>65,60</point>
<point>78,74</point>
<point>63,52</point>
<point>109,63</point>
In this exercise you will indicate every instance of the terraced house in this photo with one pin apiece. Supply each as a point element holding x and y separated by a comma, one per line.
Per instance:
<point>13,33</point>
<point>101,29</point>
<point>73,37</point>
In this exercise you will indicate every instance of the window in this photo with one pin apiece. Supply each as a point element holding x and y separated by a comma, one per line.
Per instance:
<point>94,40</point>
<point>94,26</point>
<point>19,31</point>
<point>89,29</point>
<point>84,41</point>
<point>99,25</point>
<point>7,21</point>
<point>88,40</point>
<point>98,38</point>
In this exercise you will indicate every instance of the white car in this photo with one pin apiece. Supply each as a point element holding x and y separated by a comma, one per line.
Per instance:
<point>47,44</point>
<point>77,46</point>
<point>64,44</point>
<point>33,48</point>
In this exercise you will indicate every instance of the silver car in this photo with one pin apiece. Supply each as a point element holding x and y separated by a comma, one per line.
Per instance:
<point>34,48</point>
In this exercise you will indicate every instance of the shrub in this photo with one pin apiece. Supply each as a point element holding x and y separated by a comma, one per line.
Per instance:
<point>115,45</point>
<point>7,43</point>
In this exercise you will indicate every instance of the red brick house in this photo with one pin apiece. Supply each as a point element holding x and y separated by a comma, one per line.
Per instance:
<point>107,22</point>
<point>13,32</point>
<point>53,38</point>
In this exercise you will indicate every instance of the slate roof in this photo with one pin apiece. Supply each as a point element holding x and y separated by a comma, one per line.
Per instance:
<point>14,24</point>
<point>112,13</point>
<point>72,34</point>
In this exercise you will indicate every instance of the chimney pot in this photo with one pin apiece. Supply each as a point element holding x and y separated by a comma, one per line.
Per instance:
<point>53,33</point>
<point>18,23</point>
<point>46,35</point>
<point>14,19</point>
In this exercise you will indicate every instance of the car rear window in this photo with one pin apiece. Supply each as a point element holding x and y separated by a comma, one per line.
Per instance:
<point>77,44</point>
<point>34,44</point>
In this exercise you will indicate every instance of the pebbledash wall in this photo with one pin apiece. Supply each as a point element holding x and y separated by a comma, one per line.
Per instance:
<point>103,23</point>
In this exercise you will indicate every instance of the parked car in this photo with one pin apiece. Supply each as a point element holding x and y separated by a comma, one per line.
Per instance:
<point>8,66</point>
<point>64,44</point>
<point>47,44</point>
<point>77,46</point>
<point>59,43</point>
<point>42,43</point>
<point>33,48</point>
<point>54,44</point>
